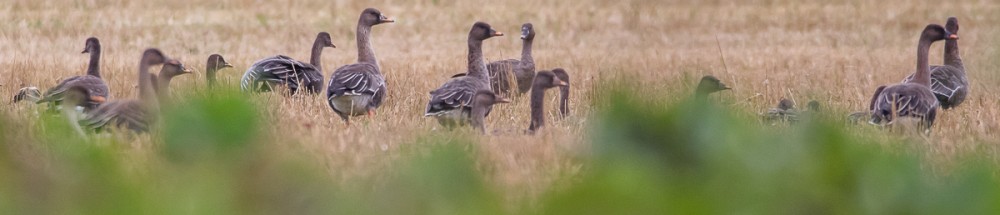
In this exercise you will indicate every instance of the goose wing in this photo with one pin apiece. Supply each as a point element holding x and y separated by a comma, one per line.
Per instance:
<point>124,114</point>
<point>282,70</point>
<point>355,79</point>
<point>454,94</point>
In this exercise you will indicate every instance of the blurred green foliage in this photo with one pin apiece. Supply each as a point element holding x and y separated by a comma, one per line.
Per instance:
<point>649,157</point>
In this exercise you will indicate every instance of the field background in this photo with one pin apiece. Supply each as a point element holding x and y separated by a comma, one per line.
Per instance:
<point>835,52</point>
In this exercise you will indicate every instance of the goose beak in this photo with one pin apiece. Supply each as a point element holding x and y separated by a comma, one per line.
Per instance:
<point>497,33</point>
<point>384,19</point>
<point>98,99</point>
<point>953,36</point>
<point>503,100</point>
<point>561,83</point>
<point>226,65</point>
<point>84,51</point>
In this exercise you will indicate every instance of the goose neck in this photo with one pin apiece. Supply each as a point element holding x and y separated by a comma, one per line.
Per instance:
<point>94,68</point>
<point>366,53</point>
<point>537,104</point>
<point>952,57</point>
<point>526,51</point>
<point>923,75</point>
<point>317,54</point>
<point>477,65</point>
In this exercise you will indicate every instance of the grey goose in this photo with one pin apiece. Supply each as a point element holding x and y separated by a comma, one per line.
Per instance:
<point>949,81</point>
<point>91,81</point>
<point>358,89</point>
<point>280,70</point>
<point>913,99</point>
<point>451,104</point>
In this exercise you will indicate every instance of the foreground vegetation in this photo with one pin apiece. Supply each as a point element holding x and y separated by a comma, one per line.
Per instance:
<point>647,157</point>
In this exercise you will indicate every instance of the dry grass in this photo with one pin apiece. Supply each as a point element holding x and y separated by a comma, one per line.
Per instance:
<point>835,52</point>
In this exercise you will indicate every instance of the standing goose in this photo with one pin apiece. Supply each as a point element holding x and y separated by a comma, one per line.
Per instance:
<point>914,98</point>
<point>29,93</point>
<point>484,100</point>
<point>134,114</point>
<point>91,81</point>
<point>542,81</point>
<point>452,102</point>
<point>523,70</point>
<point>358,89</point>
<point>215,63</point>
<point>267,73</point>
<point>949,82</point>
<point>563,92</point>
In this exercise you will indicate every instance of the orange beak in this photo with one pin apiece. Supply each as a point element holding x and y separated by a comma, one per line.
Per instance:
<point>98,99</point>
<point>497,33</point>
<point>953,36</point>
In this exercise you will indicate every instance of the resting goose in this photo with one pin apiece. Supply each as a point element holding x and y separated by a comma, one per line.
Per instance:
<point>29,93</point>
<point>214,64</point>
<point>913,99</point>
<point>451,103</point>
<point>544,80</point>
<point>949,82</point>
<point>481,103</point>
<point>267,73</point>
<point>785,112</point>
<point>523,70</point>
<point>563,92</point>
<point>91,81</point>
<point>358,89</point>
<point>135,114</point>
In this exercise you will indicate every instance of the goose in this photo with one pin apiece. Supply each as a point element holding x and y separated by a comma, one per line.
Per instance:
<point>523,70</point>
<point>214,64</point>
<point>913,99</point>
<point>709,84</point>
<point>29,93</point>
<point>358,89</point>
<point>161,83</point>
<point>949,82</point>
<point>91,81</point>
<point>451,103</point>
<point>483,101</point>
<point>544,80</point>
<point>135,114</point>
<point>785,111</point>
<point>267,73</point>
<point>563,92</point>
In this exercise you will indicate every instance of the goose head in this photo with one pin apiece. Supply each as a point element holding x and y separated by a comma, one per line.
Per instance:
<point>547,79</point>
<point>153,57</point>
<point>215,61</point>
<point>935,32</point>
<point>786,104</point>
<point>527,31</point>
<point>482,31</point>
<point>372,17</point>
<point>813,105</point>
<point>92,45</point>
<point>323,38</point>
<point>952,25</point>
<point>173,68</point>
<point>711,84</point>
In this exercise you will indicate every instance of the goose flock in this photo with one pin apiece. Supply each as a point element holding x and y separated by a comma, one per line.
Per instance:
<point>466,99</point>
